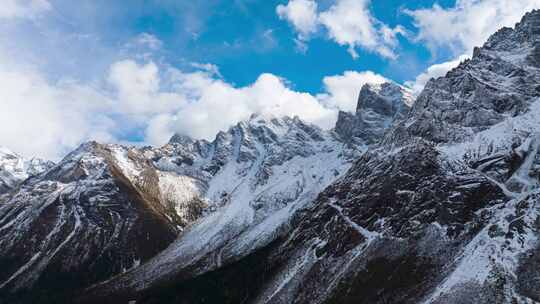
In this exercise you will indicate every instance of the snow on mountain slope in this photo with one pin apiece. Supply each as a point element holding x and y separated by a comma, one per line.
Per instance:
<point>82,221</point>
<point>253,179</point>
<point>499,81</point>
<point>445,209</point>
<point>106,209</point>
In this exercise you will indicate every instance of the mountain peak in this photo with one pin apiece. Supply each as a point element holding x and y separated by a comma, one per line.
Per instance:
<point>531,21</point>
<point>14,168</point>
<point>182,139</point>
<point>446,195</point>
<point>6,152</point>
<point>377,108</point>
<point>500,80</point>
<point>384,97</point>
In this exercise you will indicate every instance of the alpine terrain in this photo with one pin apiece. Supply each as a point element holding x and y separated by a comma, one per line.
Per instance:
<point>427,199</point>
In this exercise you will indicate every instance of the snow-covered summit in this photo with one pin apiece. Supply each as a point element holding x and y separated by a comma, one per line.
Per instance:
<point>390,94</point>
<point>96,213</point>
<point>14,168</point>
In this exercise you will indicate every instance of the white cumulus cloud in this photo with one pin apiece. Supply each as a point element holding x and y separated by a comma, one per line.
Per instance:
<point>302,14</point>
<point>45,118</point>
<point>347,22</point>
<point>350,23</point>
<point>201,103</point>
<point>467,24</point>
<point>140,89</point>
<point>48,119</point>
<point>215,105</point>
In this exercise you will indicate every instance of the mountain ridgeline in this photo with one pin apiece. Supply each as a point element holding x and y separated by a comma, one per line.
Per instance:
<point>434,199</point>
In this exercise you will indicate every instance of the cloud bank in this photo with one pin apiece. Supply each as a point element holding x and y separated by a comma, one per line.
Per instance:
<point>48,118</point>
<point>302,15</point>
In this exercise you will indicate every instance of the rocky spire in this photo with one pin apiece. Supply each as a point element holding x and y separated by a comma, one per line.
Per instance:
<point>377,108</point>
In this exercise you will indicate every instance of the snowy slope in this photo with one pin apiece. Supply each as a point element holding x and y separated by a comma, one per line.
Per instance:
<point>107,209</point>
<point>83,220</point>
<point>252,179</point>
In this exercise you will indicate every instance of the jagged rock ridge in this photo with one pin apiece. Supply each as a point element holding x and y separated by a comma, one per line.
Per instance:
<point>105,209</point>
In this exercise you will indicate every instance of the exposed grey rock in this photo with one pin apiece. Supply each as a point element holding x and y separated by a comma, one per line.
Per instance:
<point>263,168</point>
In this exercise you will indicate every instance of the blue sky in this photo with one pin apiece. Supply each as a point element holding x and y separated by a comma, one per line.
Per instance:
<point>138,71</point>
<point>244,38</point>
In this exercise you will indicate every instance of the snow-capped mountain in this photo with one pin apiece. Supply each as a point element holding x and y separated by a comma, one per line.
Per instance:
<point>431,201</point>
<point>14,169</point>
<point>264,163</point>
<point>445,210</point>
<point>253,179</point>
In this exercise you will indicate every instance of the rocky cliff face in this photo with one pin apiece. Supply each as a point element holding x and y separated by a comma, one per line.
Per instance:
<point>254,178</point>
<point>500,81</point>
<point>446,210</point>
